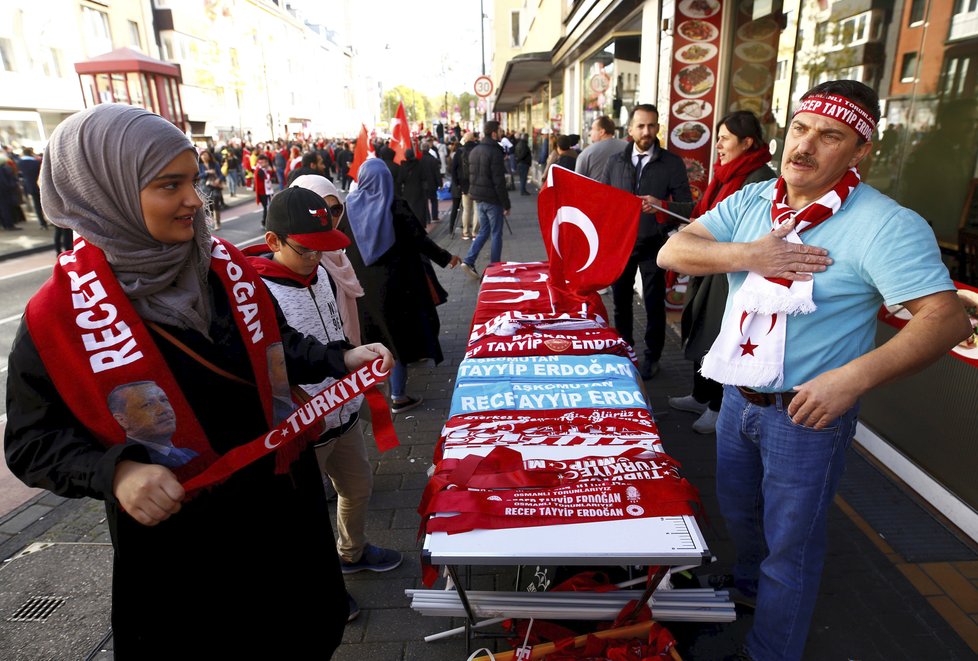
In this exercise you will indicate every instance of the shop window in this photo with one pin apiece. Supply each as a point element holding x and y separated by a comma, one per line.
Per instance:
<point>917,8</point>
<point>908,69</point>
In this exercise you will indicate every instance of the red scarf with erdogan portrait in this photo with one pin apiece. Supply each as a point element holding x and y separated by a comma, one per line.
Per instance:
<point>749,351</point>
<point>109,348</point>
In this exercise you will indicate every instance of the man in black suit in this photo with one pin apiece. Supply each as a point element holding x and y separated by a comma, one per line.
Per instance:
<point>659,178</point>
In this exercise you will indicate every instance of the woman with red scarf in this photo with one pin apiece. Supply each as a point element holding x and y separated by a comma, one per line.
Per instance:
<point>742,159</point>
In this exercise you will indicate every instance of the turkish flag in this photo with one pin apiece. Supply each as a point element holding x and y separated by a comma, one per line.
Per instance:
<point>361,152</point>
<point>400,134</point>
<point>589,231</point>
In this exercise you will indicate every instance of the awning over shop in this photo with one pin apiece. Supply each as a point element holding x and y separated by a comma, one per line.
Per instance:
<point>125,60</point>
<point>523,75</point>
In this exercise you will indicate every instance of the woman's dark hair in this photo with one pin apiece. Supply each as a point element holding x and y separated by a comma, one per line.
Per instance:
<point>743,124</point>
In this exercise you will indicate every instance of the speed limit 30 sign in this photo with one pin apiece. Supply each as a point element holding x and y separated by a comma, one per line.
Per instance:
<point>483,86</point>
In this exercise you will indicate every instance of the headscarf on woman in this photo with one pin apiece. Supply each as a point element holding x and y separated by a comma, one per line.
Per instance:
<point>104,157</point>
<point>369,210</point>
<point>337,264</point>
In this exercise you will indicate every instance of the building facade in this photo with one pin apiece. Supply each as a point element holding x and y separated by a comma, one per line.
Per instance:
<point>252,69</point>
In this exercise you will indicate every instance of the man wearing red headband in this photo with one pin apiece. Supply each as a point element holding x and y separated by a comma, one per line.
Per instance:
<point>810,258</point>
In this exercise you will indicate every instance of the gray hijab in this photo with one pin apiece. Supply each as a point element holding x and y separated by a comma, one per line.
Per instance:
<point>94,168</point>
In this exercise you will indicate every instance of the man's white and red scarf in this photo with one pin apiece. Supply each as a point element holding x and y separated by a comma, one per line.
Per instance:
<point>750,349</point>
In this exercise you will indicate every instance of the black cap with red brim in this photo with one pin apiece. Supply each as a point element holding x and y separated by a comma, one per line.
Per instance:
<point>303,216</point>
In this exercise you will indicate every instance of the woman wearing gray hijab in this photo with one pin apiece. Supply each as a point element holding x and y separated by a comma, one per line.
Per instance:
<point>149,358</point>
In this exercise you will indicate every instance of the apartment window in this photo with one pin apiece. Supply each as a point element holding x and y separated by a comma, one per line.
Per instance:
<point>917,8</point>
<point>514,21</point>
<point>782,72</point>
<point>135,39</point>
<point>7,55</point>
<point>97,34</point>
<point>908,70</point>
<point>50,62</point>
<point>966,6</point>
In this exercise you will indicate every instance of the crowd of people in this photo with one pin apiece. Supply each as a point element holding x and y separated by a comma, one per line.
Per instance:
<point>341,283</point>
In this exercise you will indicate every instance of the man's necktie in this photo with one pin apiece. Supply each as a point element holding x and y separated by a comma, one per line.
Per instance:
<point>638,170</point>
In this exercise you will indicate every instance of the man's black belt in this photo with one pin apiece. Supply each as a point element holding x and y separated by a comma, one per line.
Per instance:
<point>766,398</point>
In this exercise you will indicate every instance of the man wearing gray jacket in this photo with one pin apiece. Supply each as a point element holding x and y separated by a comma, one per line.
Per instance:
<point>592,161</point>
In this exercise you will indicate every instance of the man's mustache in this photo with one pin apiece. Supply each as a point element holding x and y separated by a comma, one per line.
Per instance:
<point>805,160</point>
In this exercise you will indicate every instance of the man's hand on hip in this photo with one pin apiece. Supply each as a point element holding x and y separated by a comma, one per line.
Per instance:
<point>824,398</point>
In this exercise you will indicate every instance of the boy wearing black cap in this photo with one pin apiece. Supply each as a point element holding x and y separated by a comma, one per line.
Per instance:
<point>300,229</point>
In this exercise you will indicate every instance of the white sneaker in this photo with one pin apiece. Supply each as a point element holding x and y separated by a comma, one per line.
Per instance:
<point>687,403</point>
<point>706,423</point>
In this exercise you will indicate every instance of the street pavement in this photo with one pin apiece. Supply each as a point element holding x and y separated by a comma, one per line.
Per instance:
<point>877,602</point>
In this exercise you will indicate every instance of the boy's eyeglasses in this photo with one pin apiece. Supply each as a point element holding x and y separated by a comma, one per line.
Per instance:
<point>336,210</point>
<point>304,253</point>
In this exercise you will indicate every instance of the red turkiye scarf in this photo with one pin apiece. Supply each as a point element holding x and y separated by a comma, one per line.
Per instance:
<point>729,178</point>
<point>108,347</point>
<point>749,351</point>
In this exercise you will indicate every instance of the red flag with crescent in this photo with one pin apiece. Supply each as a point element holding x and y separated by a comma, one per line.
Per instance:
<point>589,231</point>
<point>360,152</point>
<point>400,134</point>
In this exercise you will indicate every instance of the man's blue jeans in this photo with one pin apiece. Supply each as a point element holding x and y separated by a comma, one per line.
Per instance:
<point>775,483</point>
<point>490,220</point>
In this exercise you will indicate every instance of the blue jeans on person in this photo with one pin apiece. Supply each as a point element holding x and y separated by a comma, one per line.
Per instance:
<point>398,380</point>
<point>524,170</point>
<point>775,483</point>
<point>490,221</point>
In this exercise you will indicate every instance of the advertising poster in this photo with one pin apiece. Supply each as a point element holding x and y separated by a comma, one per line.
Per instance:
<point>694,82</point>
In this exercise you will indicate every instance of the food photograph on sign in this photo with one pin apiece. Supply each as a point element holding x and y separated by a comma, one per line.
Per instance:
<point>690,135</point>
<point>696,52</point>
<point>697,30</point>
<point>699,8</point>
<point>752,80</point>
<point>694,81</point>
<point>695,171</point>
<point>688,109</point>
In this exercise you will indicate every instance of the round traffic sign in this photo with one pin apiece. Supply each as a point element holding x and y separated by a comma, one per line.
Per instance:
<point>483,86</point>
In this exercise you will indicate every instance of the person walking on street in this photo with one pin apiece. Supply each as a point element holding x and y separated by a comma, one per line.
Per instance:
<point>487,186</point>
<point>809,259</point>
<point>468,204</point>
<point>30,170</point>
<point>524,158</point>
<point>659,178</point>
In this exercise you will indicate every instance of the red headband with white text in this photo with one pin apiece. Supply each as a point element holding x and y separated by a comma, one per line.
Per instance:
<point>842,109</point>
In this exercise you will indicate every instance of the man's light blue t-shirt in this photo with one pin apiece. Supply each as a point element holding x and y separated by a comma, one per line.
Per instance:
<point>882,252</point>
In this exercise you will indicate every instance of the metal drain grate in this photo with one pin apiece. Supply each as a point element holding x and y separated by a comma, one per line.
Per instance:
<point>37,609</point>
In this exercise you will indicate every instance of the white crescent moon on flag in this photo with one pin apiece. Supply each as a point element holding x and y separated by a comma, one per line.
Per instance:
<point>576,217</point>
<point>268,444</point>
<point>521,295</point>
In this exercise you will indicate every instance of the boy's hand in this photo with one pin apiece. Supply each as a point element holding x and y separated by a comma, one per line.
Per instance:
<point>456,260</point>
<point>367,353</point>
